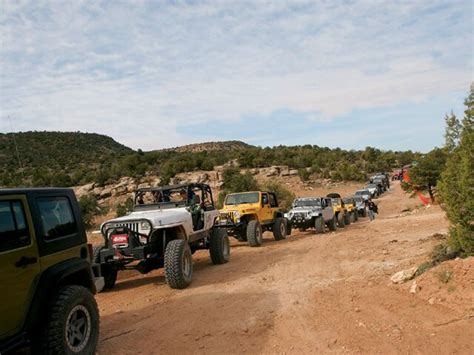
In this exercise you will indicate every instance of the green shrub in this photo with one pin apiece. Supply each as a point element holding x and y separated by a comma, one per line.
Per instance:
<point>304,174</point>
<point>285,197</point>
<point>89,209</point>
<point>457,181</point>
<point>123,208</point>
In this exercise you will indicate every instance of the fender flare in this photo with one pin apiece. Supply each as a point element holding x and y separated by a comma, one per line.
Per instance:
<point>76,271</point>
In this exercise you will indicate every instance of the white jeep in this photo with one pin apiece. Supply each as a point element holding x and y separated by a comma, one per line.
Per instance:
<point>167,225</point>
<point>312,212</point>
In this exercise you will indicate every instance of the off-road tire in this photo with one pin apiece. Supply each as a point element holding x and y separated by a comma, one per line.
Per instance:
<point>347,218</point>
<point>279,228</point>
<point>109,273</point>
<point>332,224</point>
<point>219,246</point>
<point>178,264</point>
<point>340,220</point>
<point>254,233</point>
<point>356,216</point>
<point>70,301</point>
<point>319,225</point>
<point>288,228</point>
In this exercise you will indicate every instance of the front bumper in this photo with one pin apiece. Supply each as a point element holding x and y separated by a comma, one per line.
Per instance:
<point>229,225</point>
<point>300,222</point>
<point>122,254</point>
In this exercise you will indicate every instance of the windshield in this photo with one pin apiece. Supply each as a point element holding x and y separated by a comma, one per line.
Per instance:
<point>347,200</point>
<point>358,199</point>
<point>307,202</point>
<point>363,192</point>
<point>237,199</point>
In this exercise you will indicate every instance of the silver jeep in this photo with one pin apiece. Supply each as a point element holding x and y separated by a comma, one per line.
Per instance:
<point>312,212</point>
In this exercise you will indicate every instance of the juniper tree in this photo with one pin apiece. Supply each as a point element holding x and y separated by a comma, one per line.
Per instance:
<point>457,185</point>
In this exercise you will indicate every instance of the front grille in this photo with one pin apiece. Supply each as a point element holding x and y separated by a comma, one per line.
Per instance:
<point>299,215</point>
<point>226,215</point>
<point>133,226</point>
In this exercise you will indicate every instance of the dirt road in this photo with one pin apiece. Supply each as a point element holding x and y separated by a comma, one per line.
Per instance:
<point>329,293</point>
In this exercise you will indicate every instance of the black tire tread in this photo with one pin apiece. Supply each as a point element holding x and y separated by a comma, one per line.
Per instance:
<point>251,233</point>
<point>215,246</point>
<point>332,224</point>
<point>340,220</point>
<point>173,266</point>
<point>277,229</point>
<point>319,225</point>
<point>52,340</point>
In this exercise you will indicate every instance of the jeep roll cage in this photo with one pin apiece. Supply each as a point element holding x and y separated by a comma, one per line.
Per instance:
<point>161,195</point>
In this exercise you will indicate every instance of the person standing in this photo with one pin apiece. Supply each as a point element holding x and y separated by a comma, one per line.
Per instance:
<point>373,209</point>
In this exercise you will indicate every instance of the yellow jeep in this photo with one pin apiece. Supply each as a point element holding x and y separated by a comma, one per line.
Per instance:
<point>246,215</point>
<point>351,208</point>
<point>340,210</point>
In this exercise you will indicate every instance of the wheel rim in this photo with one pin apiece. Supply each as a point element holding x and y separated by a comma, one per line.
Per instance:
<point>78,328</point>
<point>187,264</point>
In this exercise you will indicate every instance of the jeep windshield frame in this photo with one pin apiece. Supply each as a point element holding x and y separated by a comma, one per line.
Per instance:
<point>307,202</point>
<point>242,198</point>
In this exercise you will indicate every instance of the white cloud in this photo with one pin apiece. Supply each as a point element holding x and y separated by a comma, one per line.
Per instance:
<point>138,70</point>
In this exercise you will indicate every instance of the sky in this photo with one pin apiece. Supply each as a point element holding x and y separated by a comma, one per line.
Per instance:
<point>158,74</point>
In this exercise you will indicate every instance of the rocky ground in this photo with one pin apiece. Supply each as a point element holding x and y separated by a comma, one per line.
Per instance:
<point>310,293</point>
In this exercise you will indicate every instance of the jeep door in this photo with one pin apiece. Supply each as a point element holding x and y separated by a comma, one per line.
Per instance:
<point>210,211</point>
<point>266,213</point>
<point>19,264</point>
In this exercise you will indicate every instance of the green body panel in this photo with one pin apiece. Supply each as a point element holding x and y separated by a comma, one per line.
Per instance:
<point>18,283</point>
<point>53,259</point>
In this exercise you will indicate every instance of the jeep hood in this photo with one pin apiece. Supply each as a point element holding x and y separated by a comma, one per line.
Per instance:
<point>305,209</point>
<point>158,217</point>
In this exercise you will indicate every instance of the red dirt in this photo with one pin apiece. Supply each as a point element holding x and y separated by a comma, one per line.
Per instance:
<point>310,293</point>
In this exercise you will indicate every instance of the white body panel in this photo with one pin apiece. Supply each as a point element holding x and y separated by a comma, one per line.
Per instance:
<point>167,218</point>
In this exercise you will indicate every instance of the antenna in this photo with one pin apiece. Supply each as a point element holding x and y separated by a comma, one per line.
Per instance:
<point>16,148</point>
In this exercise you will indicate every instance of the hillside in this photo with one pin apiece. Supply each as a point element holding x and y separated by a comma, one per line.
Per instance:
<point>75,158</point>
<point>44,153</point>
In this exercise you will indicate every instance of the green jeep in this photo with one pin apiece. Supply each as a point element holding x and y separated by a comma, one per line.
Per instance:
<point>46,276</point>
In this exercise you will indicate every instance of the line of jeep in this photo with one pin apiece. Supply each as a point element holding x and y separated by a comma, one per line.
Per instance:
<point>331,211</point>
<point>52,274</point>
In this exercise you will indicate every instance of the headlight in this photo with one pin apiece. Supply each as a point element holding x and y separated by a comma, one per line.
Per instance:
<point>237,214</point>
<point>144,225</point>
<point>308,215</point>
